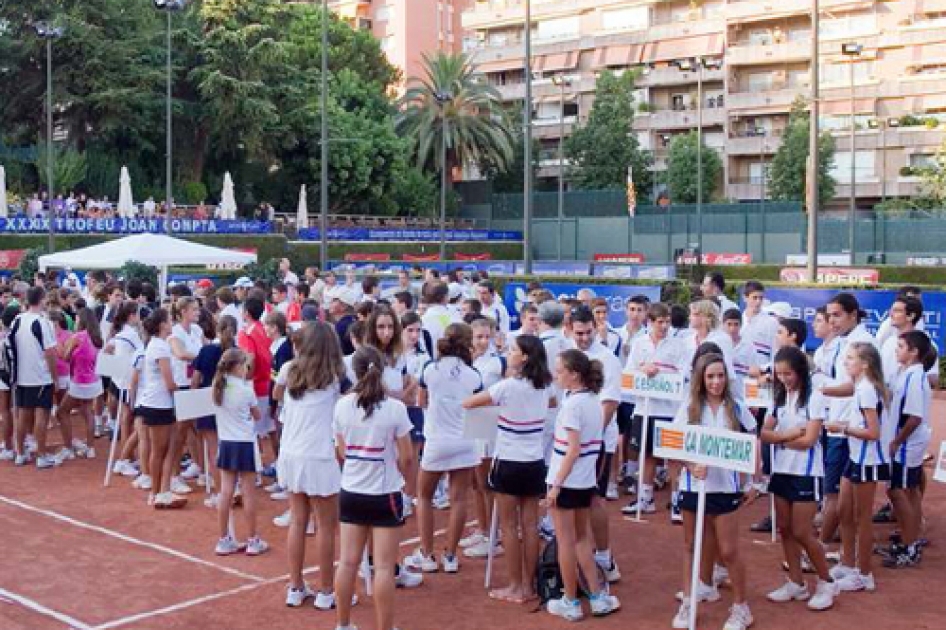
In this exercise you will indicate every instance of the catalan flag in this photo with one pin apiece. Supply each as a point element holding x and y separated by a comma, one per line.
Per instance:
<point>670,438</point>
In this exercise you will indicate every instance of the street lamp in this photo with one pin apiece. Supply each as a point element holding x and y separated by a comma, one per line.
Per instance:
<point>760,132</point>
<point>168,6</point>
<point>323,181</point>
<point>812,179</point>
<point>562,82</point>
<point>527,149</point>
<point>853,51</point>
<point>49,33</point>
<point>444,99</point>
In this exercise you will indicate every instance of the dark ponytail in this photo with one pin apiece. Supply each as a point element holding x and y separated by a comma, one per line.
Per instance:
<point>152,324</point>
<point>457,341</point>
<point>590,372</point>
<point>368,365</point>
<point>125,311</point>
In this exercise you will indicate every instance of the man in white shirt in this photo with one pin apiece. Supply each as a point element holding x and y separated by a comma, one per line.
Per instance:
<point>758,327</point>
<point>285,270</point>
<point>714,287</point>
<point>528,321</point>
<point>438,315</point>
<point>492,306</point>
<point>33,344</point>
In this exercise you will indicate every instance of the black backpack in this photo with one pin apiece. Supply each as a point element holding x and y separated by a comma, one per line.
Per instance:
<point>548,576</point>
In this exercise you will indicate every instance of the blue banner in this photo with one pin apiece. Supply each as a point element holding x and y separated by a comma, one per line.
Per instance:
<point>406,234</point>
<point>635,272</point>
<point>875,303</point>
<point>394,266</point>
<point>23,225</point>
<point>616,295</point>
<point>571,269</point>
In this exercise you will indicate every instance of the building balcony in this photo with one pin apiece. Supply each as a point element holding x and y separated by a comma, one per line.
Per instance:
<point>669,76</point>
<point>552,128</point>
<point>875,188</point>
<point>678,119</point>
<point>745,189</point>
<point>753,146</point>
<point>687,28</point>
<point>758,54</point>
<point>493,13</point>
<point>764,10</point>
<point>764,101</point>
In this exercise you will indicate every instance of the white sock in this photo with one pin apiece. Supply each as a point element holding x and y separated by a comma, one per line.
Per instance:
<point>603,557</point>
<point>647,492</point>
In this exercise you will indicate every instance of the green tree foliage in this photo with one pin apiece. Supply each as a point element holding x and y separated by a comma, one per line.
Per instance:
<point>69,167</point>
<point>510,178</point>
<point>682,169</point>
<point>934,180</point>
<point>450,99</point>
<point>788,172</point>
<point>604,148</point>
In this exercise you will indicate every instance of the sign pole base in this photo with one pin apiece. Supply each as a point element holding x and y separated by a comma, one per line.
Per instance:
<point>697,553</point>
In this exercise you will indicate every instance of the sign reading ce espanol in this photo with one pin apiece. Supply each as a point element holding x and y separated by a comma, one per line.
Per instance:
<point>708,446</point>
<point>662,386</point>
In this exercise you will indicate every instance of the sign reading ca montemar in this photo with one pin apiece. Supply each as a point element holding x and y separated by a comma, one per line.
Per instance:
<point>704,445</point>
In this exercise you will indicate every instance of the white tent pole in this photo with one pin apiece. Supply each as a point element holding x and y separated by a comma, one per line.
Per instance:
<point>162,283</point>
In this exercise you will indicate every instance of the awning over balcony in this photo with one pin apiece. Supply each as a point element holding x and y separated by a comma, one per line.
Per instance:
<point>926,103</point>
<point>556,62</point>
<point>683,48</point>
<point>759,110</point>
<point>843,107</point>
<point>620,56</point>
<point>499,65</point>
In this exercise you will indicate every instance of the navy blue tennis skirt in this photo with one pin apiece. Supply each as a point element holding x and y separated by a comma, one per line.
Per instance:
<point>236,457</point>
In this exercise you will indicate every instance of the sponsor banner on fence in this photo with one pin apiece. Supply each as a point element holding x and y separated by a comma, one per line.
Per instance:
<point>403,234</point>
<point>617,296</point>
<point>367,257</point>
<point>625,259</point>
<point>232,266</point>
<point>635,272</point>
<point>420,257</point>
<point>492,267</point>
<point>708,446</point>
<point>556,268</point>
<point>926,261</point>
<point>831,275</point>
<point>22,225</point>
<point>10,258</point>
<point>714,258</point>
<point>483,256</point>
<point>875,303</point>
<point>834,260</point>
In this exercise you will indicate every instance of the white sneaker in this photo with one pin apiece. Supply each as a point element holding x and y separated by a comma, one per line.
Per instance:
<point>212,501</point>
<point>569,610</point>
<point>823,599</point>
<point>839,571</point>
<point>179,487</point>
<point>704,593</point>
<point>65,454</point>
<point>482,550</point>
<point>7,455</point>
<point>603,604</point>
<point>441,502</point>
<point>611,572</point>
<point>681,621</point>
<point>227,546</point>
<point>408,579</point>
<point>46,461</point>
<point>612,493</point>
<point>789,592</point>
<point>283,519</point>
<point>420,562</point>
<point>280,495</point>
<point>256,546</point>
<point>740,618</point>
<point>142,482</point>
<point>647,507</point>
<point>21,460</point>
<point>324,601</point>
<point>720,575</point>
<point>118,466</point>
<point>451,564</point>
<point>856,581</point>
<point>90,453</point>
<point>295,597</point>
<point>191,472</point>
<point>79,447</point>
<point>474,539</point>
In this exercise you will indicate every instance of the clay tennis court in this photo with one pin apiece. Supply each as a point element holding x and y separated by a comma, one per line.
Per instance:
<point>77,555</point>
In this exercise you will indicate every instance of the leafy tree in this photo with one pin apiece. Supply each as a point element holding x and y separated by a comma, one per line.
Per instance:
<point>415,193</point>
<point>449,99</point>
<point>934,179</point>
<point>788,172</point>
<point>682,169</point>
<point>605,146</point>
<point>511,177</point>
<point>134,270</point>
<point>69,168</point>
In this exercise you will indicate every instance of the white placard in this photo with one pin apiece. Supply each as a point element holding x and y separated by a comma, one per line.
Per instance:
<point>193,403</point>
<point>756,395</point>
<point>940,473</point>
<point>662,386</point>
<point>480,423</point>
<point>113,366</point>
<point>704,445</point>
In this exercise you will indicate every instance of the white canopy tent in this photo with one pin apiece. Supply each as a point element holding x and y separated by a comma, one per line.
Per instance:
<point>228,206</point>
<point>126,204</point>
<point>156,250</point>
<point>302,213</point>
<point>4,212</point>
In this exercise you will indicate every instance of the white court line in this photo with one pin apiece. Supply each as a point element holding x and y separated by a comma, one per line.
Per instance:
<point>124,621</point>
<point>129,539</point>
<point>7,597</point>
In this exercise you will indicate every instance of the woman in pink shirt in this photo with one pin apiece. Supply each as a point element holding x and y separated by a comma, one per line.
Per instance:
<point>84,385</point>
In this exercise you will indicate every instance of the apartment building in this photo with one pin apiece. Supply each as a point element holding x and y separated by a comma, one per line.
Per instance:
<point>745,62</point>
<point>407,29</point>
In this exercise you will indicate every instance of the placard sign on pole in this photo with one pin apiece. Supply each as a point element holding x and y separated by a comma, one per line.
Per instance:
<point>940,473</point>
<point>482,423</point>
<point>758,395</point>
<point>640,387</point>
<point>117,368</point>
<point>696,444</point>
<point>190,404</point>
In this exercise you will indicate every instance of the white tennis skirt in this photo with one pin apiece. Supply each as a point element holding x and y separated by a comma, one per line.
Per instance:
<point>85,391</point>
<point>309,476</point>
<point>450,454</point>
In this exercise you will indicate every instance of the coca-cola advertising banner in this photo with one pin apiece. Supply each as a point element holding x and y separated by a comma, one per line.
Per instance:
<point>712,258</point>
<point>626,259</point>
<point>831,275</point>
<point>10,258</point>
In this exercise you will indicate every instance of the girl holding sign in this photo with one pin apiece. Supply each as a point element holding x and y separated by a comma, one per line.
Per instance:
<point>869,432</point>
<point>517,473</point>
<point>573,482</point>
<point>237,455</point>
<point>711,404</point>
<point>793,425</point>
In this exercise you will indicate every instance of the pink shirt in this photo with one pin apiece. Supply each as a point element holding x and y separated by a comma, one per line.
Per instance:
<point>62,366</point>
<point>83,360</point>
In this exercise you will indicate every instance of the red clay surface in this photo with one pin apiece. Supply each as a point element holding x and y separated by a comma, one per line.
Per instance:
<point>168,576</point>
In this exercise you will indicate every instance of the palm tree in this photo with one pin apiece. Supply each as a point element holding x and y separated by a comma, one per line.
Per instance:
<point>452,100</point>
